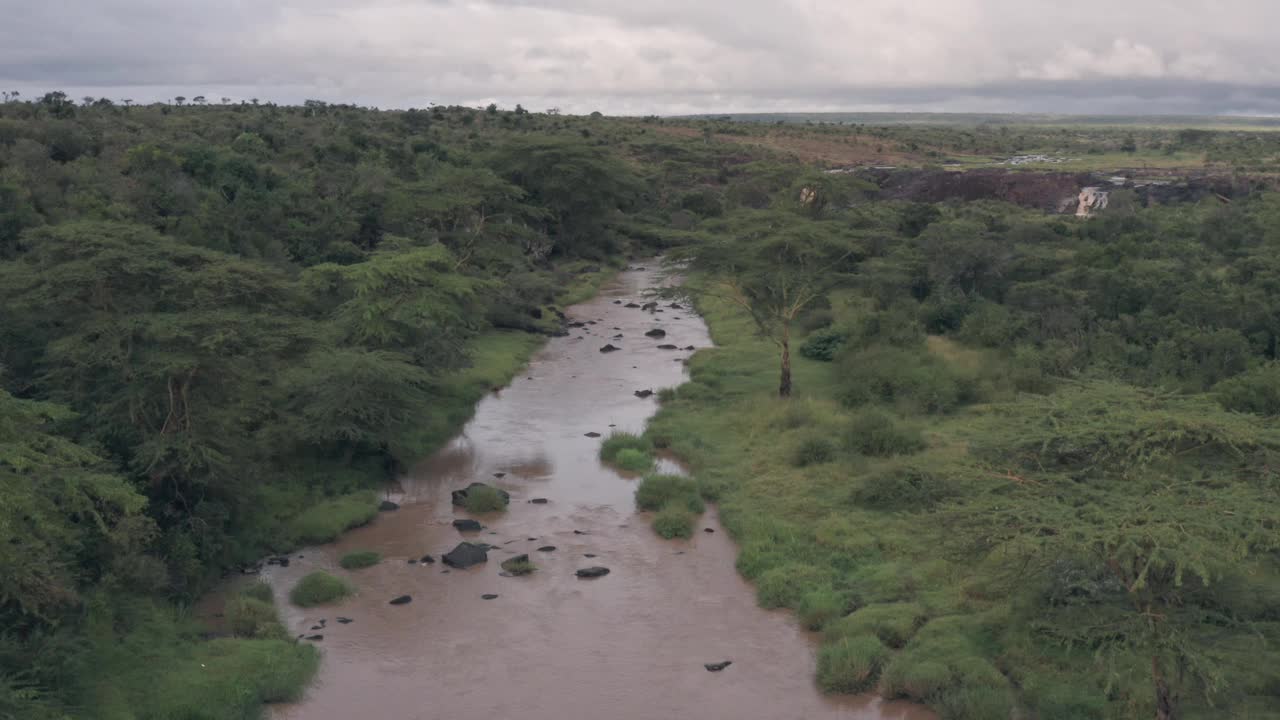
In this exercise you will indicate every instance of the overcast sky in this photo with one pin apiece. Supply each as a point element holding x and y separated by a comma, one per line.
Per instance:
<point>660,56</point>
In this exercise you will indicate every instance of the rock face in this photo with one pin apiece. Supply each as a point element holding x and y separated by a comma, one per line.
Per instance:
<point>656,333</point>
<point>465,555</point>
<point>402,600</point>
<point>592,572</point>
<point>388,506</point>
<point>460,496</point>
<point>1091,200</point>
<point>609,348</point>
<point>467,525</point>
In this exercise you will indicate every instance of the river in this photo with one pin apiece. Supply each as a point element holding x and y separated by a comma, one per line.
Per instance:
<point>628,646</point>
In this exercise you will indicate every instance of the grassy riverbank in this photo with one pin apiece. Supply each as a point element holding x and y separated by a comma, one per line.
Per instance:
<point>839,511</point>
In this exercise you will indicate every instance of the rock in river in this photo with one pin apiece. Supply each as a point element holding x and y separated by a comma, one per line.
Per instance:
<point>642,394</point>
<point>460,496</point>
<point>717,667</point>
<point>518,565</point>
<point>547,548</point>
<point>631,305</point>
<point>402,600</point>
<point>593,434</point>
<point>488,596</point>
<point>388,506</point>
<point>427,560</point>
<point>467,525</point>
<point>466,555</point>
<point>609,348</point>
<point>592,572</point>
<point>539,501</point>
<point>656,333</point>
<point>668,347</point>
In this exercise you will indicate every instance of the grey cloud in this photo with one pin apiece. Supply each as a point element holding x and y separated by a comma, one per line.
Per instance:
<point>660,56</point>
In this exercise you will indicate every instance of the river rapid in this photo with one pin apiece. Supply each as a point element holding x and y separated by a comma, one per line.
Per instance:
<point>627,646</point>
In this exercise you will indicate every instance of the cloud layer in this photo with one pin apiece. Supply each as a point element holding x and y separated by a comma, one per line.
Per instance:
<point>659,56</point>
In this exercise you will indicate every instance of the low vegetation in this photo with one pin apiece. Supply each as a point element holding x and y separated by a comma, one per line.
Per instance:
<point>485,499</point>
<point>359,559</point>
<point>319,588</point>
<point>627,451</point>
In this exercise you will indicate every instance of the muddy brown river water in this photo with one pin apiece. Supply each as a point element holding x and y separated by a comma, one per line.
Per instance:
<point>628,646</point>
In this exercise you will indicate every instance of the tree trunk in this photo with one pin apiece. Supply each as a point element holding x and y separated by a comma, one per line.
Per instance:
<point>1165,709</point>
<point>784,383</point>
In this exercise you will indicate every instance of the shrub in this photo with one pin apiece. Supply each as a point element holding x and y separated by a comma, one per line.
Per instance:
<point>913,379</point>
<point>816,319</point>
<point>785,585</point>
<point>851,665</point>
<point>917,679</point>
<point>673,521</point>
<point>260,590</point>
<point>619,441</point>
<point>901,487</point>
<point>325,521</point>
<point>360,559</point>
<point>813,450</point>
<point>893,623</point>
<point>633,460</point>
<point>1256,391</point>
<point>823,345</point>
<point>658,491</point>
<point>318,588</point>
<point>483,499</point>
<point>819,607</point>
<point>252,618</point>
<point>876,433</point>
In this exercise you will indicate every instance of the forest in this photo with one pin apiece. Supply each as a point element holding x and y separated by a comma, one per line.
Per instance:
<point>1018,464</point>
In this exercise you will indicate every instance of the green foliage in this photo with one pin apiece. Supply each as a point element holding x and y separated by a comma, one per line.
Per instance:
<point>519,565</point>
<point>633,460</point>
<point>819,607</point>
<point>325,521</point>
<point>1256,391</point>
<point>360,559</point>
<point>619,441</point>
<point>851,665</point>
<point>485,499</point>
<point>249,617</point>
<point>261,591</point>
<point>879,434</point>
<point>657,491</point>
<point>823,345</point>
<point>813,450</point>
<point>892,623</point>
<point>674,520</point>
<point>319,588</point>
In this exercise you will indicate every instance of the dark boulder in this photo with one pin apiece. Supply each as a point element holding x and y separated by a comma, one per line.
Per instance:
<point>656,333</point>
<point>676,306</point>
<point>668,347</point>
<point>402,600</point>
<point>592,572</point>
<point>617,302</point>
<point>642,394</point>
<point>502,474</point>
<point>427,560</point>
<point>690,347</point>
<point>539,501</point>
<point>466,555</point>
<point>609,348</point>
<point>650,306</point>
<point>547,548</point>
<point>717,667</point>
<point>467,525</point>
<point>388,506</point>
<point>631,305</point>
<point>460,496</point>
<point>708,530</point>
<point>518,565</point>
<point>344,620</point>
<point>314,638</point>
<point>577,324</point>
<point>488,596</point>
<point>592,434</point>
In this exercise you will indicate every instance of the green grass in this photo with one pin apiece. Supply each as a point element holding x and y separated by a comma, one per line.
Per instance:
<point>852,665</point>
<point>261,591</point>
<point>319,588</point>
<point>633,460</point>
<point>360,559</point>
<point>640,450</point>
<point>674,521</point>
<point>251,618</point>
<point>325,521</point>
<point>819,607</point>
<point>655,491</point>
<point>485,499</point>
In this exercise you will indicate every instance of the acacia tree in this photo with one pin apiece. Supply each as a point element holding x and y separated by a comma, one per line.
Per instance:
<point>773,265</point>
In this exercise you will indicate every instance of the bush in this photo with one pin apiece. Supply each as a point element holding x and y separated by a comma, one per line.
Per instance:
<point>252,618</point>
<point>819,607</point>
<point>851,665</point>
<point>619,441</point>
<point>876,433</point>
<point>483,499</point>
<point>893,623</point>
<point>319,588</point>
<point>923,680</point>
<point>360,559</point>
<point>914,379</point>
<point>673,521</point>
<point>1256,391</point>
<point>261,591</point>
<point>901,487</point>
<point>785,585</point>
<point>658,491</point>
<point>521,565</point>
<point>633,460</point>
<point>813,450</point>
<point>823,345</point>
<point>324,522</point>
